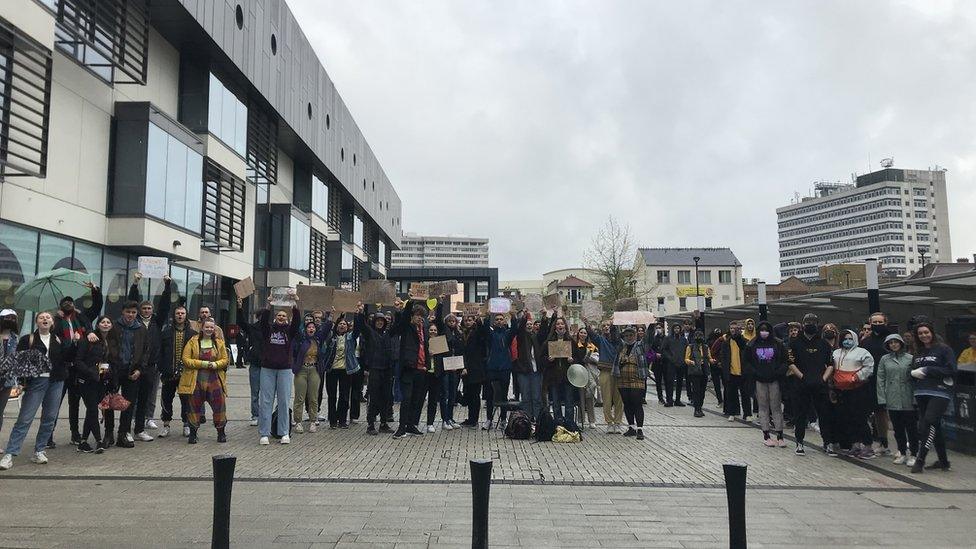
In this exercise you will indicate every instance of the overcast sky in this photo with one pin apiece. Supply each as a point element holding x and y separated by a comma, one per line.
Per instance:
<point>531,122</point>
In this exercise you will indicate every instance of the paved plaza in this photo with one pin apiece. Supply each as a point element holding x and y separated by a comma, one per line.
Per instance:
<point>340,488</point>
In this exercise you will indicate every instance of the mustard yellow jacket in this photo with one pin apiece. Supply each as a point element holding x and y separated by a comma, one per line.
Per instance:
<point>192,364</point>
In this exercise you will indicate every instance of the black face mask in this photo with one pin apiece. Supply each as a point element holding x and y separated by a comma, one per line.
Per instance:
<point>880,330</point>
<point>810,329</point>
<point>829,334</point>
<point>8,325</point>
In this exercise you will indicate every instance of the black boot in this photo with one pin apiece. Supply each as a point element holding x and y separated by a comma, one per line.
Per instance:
<point>221,435</point>
<point>192,439</point>
<point>938,464</point>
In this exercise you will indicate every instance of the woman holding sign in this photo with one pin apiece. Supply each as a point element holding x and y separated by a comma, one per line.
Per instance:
<point>558,353</point>
<point>339,363</point>
<point>449,327</point>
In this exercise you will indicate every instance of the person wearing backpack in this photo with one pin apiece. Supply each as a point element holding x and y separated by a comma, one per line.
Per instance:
<point>698,359</point>
<point>854,365</point>
<point>630,369</point>
<point>43,391</point>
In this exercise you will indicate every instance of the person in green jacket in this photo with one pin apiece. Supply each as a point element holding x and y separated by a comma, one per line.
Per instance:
<point>895,394</point>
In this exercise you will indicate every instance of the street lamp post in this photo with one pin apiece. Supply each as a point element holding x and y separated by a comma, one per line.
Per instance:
<point>701,310</point>
<point>761,299</point>
<point>921,252</point>
<point>848,275</point>
<point>874,292</point>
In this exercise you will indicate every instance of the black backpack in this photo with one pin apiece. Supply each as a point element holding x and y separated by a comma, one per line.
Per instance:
<point>519,426</point>
<point>274,423</point>
<point>545,427</point>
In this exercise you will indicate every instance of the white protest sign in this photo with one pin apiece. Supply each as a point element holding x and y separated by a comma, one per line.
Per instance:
<point>153,267</point>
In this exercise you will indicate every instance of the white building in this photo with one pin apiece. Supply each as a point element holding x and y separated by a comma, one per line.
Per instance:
<point>893,215</point>
<point>667,281</point>
<point>440,251</point>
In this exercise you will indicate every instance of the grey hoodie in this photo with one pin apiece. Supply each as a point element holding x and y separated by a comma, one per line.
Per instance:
<point>854,359</point>
<point>895,378</point>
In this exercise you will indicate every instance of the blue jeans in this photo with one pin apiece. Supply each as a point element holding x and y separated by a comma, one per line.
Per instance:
<point>530,385</point>
<point>254,377</point>
<point>449,385</point>
<point>562,397</point>
<point>275,383</point>
<point>43,393</point>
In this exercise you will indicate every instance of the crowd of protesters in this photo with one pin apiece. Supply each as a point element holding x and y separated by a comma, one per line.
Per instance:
<point>853,387</point>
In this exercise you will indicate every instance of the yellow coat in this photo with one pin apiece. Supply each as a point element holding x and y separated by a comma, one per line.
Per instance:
<point>192,364</point>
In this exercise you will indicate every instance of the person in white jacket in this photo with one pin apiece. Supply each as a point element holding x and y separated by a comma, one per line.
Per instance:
<point>853,367</point>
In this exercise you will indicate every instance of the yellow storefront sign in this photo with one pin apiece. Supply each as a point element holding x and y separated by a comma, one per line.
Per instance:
<point>689,291</point>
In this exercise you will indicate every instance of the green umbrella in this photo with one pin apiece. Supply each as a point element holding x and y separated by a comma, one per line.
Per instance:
<point>44,293</point>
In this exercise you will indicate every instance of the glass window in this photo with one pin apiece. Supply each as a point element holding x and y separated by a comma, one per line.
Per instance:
<point>88,259</point>
<point>320,198</point>
<point>178,274</point>
<point>705,277</point>
<point>114,287</point>
<point>346,260</point>
<point>174,181</point>
<point>382,253</point>
<point>683,303</point>
<point>18,260</point>
<point>725,277</point>
<point>227,116</point>
<point>357,231</point>
<point>664,277</point>
<point>55,253</point>
<point>194,292</point>
<point>299,245</point>
<point>684,277</point>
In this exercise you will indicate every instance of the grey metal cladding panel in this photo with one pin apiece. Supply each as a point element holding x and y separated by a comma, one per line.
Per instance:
<point>289,81</point>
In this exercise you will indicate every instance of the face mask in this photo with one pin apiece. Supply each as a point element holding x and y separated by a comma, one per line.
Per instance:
<point>764,334</point>
<point>829,334</point>
<point>658,332</point>
<point>879,330</point>
<point>8,324</point>
<point>848,343</point>
<point>810,329</point>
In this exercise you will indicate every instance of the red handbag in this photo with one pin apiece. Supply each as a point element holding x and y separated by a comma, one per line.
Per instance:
<point>115,402</point>
<point>846,381</point>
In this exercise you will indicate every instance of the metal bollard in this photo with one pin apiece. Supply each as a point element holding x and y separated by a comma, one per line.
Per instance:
<point>480,488</point>
<point>735,489</point>
<point>223,468</point>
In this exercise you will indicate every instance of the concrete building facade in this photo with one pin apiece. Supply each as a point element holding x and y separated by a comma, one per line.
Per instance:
<point>894,215</point>
<point>462,252</point>
<point>665,279</point>
<point>205,131</point>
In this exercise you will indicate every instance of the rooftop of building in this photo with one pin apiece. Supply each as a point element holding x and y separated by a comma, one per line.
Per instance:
<point>417,236</point>
<point>708,257</point>
<point>573,282</point>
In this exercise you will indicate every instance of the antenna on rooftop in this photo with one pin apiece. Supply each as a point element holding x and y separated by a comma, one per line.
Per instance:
<point>887,162</point>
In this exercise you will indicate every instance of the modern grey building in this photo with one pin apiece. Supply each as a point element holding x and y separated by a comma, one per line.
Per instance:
<point>441,251</point>
<point>893,215</point>
<point>206,131</point>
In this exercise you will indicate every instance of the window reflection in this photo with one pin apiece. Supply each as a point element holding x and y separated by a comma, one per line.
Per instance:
<point>227,116</point>
<point>174,181</point>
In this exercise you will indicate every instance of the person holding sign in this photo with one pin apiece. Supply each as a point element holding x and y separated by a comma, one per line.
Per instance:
<point>586,353</point>
<point>562,395</point>
<point>204,379</point>
<point>277,379</point>
<point>339,363</point>
<point>608,340</point>
<point>377,359</point>
<point>630,369</point>
<point>474,345</point>
<point>528,367</point>
<point>413,329</point>
<point>305,362</point>
<point>498,368</point>
<point>449,327</point>
<point>148,382</point>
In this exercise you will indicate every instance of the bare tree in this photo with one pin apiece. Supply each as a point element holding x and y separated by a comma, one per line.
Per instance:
<point>609,257</point>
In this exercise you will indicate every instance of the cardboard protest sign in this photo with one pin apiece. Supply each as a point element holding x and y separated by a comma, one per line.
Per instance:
<point>592,310</point>
<point>638,318</point>
<point>533,303</point>
<point>517,305</point>
<point>419,290</point>
<point>153,267</point>
<point>379,292</point>
<point>499,305</point>
<point>316,298</point>
<point>453,363</point>
<point>560,349</point>
<point>553,301</point>
<point>625,304</point>
<point>470,309</point>
<point>346,302</point>
<point>438,345</point>
<point>244,288</point>
<point>447,287</point>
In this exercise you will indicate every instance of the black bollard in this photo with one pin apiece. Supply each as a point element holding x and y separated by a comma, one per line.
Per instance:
<point>735,489</point>
<point>480,488</point>
<point>223,467</point>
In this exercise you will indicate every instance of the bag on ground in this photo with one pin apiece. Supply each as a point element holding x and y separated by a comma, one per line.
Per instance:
<point>519,426</point>
<point>545,427</point>
<point>274,424</point>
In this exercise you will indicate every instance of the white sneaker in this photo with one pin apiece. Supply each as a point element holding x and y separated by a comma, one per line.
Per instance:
<point>313,427</point>
<point>298,428</point>
<point>909,462</point>
<point>164,432</point>
<point>322,418</point>
<point>6,462</point>
<point>128,437</point>
<point>286,439</point>
<point>815,426</point>
<point>353,421</point>
<point>486,425</point>
<point>611,429</point>
<point>592,426</point>
<point>151,424</point>
<point>264,441</point>
<point>254,422</point>
<point>731,418</point>
<point>446,426</point>
<point>39,458</point>
<point>143,437</point>
<point>186,431</point>
<point>430,429</point>
<point>899,459</point>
